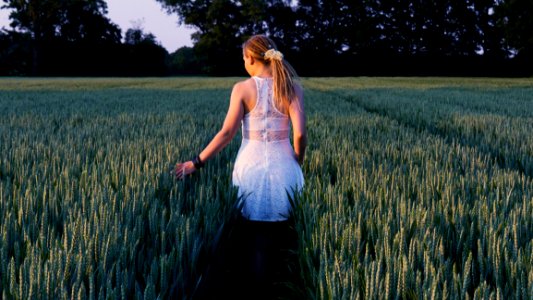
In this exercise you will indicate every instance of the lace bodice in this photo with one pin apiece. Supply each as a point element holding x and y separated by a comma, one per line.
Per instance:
<point>266,171</point>
<point>264,122</point>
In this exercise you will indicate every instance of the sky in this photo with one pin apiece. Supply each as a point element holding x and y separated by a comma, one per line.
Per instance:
<point>148,14</point>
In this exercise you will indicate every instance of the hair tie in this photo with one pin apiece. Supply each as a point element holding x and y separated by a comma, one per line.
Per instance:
<point>273,54</point>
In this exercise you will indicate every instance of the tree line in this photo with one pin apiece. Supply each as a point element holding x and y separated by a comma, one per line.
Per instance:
<point>320,38</point>
<point>74,38</point>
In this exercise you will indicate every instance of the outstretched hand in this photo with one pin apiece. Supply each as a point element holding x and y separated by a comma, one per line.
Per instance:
<point>183,169</point>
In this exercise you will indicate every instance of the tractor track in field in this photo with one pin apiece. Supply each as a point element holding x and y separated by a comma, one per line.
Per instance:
<point>449,136</point>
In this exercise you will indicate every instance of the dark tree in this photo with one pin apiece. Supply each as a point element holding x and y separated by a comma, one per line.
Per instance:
<point>136,35</point>
<point>184,62</point>
<point>223,25</point>
<point>15,53</point>
<point>59,28</point>
<point>342,36</point>
<point>217,24</point>
<point>86,20</point>
<point>492,39</point>
<point>515,17</point>
<point>143,54</point>
<point>334,37</point>
<point>320,34</point>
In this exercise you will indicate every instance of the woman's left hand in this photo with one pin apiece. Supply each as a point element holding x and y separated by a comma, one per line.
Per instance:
<point>183,169</point>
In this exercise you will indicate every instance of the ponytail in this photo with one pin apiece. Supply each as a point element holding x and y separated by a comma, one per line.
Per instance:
<point>264,49</point>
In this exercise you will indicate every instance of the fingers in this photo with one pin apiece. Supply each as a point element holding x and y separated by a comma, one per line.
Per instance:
<point>183,169</point>
<point>178,171</point>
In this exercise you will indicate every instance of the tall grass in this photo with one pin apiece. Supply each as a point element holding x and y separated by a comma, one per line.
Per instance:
<point>410,196</point>
<point>88,206</point>
<point>415,188</point>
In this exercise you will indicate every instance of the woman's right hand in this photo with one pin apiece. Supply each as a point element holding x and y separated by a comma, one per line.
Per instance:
<point>183,169</point>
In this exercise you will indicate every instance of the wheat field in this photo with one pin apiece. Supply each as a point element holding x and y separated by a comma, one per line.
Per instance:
<point>416,188</point>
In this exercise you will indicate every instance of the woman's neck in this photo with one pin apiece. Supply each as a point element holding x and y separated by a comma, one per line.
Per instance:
<point>263,71</point>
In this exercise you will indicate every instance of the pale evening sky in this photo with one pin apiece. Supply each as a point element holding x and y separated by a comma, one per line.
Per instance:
<point>149,14</point>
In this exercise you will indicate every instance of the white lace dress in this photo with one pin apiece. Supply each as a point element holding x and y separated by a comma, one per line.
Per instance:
<point>266,171</point>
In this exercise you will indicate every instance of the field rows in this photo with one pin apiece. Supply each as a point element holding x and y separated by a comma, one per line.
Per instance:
<point>415,188</point>
<point>436,217</point>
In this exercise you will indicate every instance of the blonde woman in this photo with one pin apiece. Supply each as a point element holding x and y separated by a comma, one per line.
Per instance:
<point>267,168</point>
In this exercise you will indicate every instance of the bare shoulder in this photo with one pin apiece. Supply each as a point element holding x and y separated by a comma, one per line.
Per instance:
<point>244,85</point>
<point>244,89</point>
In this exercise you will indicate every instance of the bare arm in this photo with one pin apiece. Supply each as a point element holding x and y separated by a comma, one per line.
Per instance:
<point>297,115</point>
<point>223,137</point>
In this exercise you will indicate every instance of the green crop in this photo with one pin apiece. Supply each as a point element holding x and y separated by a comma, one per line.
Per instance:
<point>414,187</point>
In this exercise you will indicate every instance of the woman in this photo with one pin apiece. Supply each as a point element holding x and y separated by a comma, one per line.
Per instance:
<point>267,170</point>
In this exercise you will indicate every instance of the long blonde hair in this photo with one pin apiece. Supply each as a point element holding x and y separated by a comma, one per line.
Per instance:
<point>263,49</point>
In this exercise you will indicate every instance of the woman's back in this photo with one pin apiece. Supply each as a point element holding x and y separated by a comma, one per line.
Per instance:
<point>266,170</point>
<point>264,122</point>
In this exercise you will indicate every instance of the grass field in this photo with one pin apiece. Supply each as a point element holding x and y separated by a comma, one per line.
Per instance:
<point>418,188</point>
